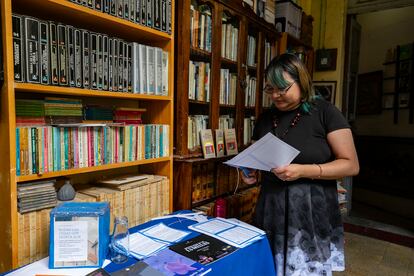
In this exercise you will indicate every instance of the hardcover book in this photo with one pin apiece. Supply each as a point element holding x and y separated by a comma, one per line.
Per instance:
<point>231,142</point>
<point>44,53</point>
<point>63,59</point>
<point>203,249</point>
<point>32,50</point>
<point>18,48</point>
<point>219,142</point>
<point>207,143</point>
<point>53,54</point>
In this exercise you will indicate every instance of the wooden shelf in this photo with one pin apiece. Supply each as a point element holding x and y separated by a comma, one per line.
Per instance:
<point>225,62</point>
<point>73,91</point>
<point>199,54</point>
<point>77,15</point>
<point>231,106</point>
<point>198,102</point>
<point>90,169</point>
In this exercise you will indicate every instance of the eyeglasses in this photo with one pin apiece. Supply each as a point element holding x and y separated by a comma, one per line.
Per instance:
<point>270,90</point>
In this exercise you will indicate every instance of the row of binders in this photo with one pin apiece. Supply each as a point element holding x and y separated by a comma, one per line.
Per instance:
<point>152,13</point>
<point>52,53</point>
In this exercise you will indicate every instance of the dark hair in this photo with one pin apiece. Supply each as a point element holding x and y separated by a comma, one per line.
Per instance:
<point>296,69</point>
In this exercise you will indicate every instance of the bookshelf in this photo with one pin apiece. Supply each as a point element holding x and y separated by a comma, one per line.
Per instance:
<point>159,110</point>
<point>233,25</point>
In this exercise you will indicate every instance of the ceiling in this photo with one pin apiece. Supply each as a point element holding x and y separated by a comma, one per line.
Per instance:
<point>365,6</point>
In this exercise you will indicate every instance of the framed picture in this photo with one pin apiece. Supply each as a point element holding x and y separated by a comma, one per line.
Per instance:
<point>326,59</point>
<point>325,89</point>
<point>369,93</point>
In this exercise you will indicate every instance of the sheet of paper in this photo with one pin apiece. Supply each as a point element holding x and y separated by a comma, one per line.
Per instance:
<point>144,246</point>
<point>265,154</point>
<point>71,241</point>
<point>164,233</point>
<point>42,267</point>
<point>238,235</point>
<point>213,226</point>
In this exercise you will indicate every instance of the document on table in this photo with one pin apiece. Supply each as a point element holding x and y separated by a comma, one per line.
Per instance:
<point>164,233</point>
<point>231,232</point>
<point>141,246</point>
<point>265,154</point>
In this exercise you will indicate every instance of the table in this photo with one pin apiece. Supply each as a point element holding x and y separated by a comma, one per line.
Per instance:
<point>255,259</point>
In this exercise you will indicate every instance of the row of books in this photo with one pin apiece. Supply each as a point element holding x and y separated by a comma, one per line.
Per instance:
<point>148,199</point>
<point>200,26</point>
<point>228,87</point>
<point>225,142</point>
<point>266,100</point>
<point>48,149</point>
<point>152,13</point>
<point>52,53</point>
<point>250,91</point>
<point>229,40</point>
<point>195,124</point>
<point>226,122</point>
<point>269,52</point>
<point>248,126</point>
<point>199,81</point>
<point>251,51</point>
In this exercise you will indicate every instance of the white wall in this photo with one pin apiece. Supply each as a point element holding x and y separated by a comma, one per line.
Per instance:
<point>381,31</point>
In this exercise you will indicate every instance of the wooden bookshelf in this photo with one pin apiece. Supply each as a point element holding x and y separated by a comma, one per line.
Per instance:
<point>160,109</point>
<point>186,159</point>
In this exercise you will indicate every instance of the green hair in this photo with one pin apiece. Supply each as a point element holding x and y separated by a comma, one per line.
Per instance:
<point>292,65</point>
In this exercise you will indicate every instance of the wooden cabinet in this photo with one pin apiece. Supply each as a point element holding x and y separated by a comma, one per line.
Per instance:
<point>234,44</point>
<point>159,108</point>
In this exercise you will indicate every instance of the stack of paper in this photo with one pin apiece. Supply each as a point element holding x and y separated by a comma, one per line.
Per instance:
<point>231,231</point>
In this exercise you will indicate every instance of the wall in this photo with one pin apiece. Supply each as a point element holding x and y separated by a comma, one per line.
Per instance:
<point>380,31</point>
<point>329,35</point>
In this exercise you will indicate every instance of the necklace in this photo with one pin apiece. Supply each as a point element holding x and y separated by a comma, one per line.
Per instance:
<point>292,124</point>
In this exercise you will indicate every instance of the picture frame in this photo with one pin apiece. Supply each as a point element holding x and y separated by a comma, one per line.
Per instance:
<point>326,59</point>
<point>325,89</point>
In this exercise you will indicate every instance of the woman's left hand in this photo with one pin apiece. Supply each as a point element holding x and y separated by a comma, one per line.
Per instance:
<point>288,173</point>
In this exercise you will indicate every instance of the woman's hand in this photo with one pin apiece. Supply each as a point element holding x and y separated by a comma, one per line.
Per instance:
<point>288,173</point>
<point>250,178</point>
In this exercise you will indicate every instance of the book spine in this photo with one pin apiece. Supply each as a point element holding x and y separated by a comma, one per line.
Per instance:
<point>71,56</point>
<point>158,71</point>
<point>53,54</point>
<point>78,58</point>
<point>18,172</point>
<point>62,54</point>
<point>44,53</point>
<point>125,72</point>
<point>93,61</point>
<point>164,15</point>
<point>105,61</point>
<point>106,6</point>
<point>120,65</point>
<point>149,13</point>
<point>115,64</point>
<point>150,66</point>
<point>98,5</point>
<point>169,16</point>
<point>157,14</point>
<point>110,64</point>
<point>18,48</point>
<point>126,9</point>
<point>132,7</point>
<point>120,8</point>
<point>134,69</point>
<point>164,73</point>
<point>100,62</point>
<point>112,7</point>
<point>85,59</point>
<point>143,12</point>
<point>32,50</point>
<point>138,11</point>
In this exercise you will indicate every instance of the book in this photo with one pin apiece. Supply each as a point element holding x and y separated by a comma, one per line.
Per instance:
<point>231,142</point>
<point>203,249</point>
<point>31,31</point>
<point>207,143</point>
<point>18,48</point>
<point>219,142</point>
<point>171,263</point>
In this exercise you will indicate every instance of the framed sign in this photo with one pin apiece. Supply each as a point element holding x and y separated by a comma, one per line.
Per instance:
<point>325,89</point>
<point>326,59</point>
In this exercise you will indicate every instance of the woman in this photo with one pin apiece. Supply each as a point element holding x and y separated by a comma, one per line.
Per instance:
<point>298,204</point>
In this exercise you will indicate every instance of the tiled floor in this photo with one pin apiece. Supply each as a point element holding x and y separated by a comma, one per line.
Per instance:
<point>366,256</point>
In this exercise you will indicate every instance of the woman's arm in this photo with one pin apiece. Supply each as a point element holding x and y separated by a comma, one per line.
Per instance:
<point>345,163</point>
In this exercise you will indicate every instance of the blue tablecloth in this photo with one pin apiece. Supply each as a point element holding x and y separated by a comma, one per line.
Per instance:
<point>255,259</point>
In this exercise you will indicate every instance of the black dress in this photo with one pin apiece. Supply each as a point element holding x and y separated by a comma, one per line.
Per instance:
<point>302,218</point>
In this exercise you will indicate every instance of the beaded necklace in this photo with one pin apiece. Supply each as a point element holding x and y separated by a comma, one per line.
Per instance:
<point>292,124</point>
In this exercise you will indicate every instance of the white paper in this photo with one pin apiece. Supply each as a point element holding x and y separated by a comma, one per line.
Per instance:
<point>144,246</point>
<point>233,233</point>
<point>71,241</point>
<point>164,233</point>
<point>238,235</point>
<point>42,267</point>
<point>213,226</point>
<point>265,154</point>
